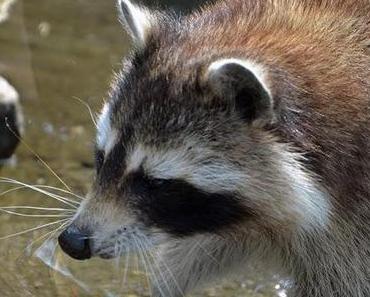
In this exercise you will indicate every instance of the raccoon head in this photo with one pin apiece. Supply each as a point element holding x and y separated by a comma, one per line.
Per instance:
<point>185,148</point>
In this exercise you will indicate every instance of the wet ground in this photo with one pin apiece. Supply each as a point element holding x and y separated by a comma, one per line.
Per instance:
<point>54,52</point>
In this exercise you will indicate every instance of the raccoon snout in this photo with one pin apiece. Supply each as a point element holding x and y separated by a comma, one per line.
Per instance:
<point>75,243</point>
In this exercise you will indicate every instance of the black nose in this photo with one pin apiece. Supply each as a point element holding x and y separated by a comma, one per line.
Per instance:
<point>75,243</point>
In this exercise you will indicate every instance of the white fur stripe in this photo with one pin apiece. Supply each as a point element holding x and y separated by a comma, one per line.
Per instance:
<point>106,136</point>
<point>309,200</point>
<point>212,177</point>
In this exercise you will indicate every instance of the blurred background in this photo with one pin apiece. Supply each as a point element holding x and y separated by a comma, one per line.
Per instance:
<point>57,55</point>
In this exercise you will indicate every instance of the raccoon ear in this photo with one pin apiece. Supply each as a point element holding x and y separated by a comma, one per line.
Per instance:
<point>243,83</point>
<point>137,20</point>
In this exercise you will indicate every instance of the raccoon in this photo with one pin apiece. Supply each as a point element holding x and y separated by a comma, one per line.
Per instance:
<point>238,133</point>
<point>11,121</point>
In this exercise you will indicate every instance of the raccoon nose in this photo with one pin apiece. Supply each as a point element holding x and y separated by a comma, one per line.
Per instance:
<point>75,243</point>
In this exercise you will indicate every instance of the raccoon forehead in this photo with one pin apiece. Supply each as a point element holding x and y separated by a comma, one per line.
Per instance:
<point>106,136</point>
<point>198,166</point>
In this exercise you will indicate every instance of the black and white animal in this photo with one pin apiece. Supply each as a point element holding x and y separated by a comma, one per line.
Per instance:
<point>238,133</point>
<point>11,120</point>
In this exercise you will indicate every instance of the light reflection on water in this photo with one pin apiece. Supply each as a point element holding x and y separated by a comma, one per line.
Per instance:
<point>53,52</point>
<point>47,254</point>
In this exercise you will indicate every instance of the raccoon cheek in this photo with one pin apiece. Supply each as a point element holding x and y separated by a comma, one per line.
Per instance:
<point>244,85</point>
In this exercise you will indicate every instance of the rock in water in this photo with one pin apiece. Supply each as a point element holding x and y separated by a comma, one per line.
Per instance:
<point>11,119</point>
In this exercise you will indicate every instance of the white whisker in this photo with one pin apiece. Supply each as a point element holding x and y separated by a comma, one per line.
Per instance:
<point>153,274</point>
<point>88,108</point>
<point>61,190</point>
<point>32,229</point>
<point>33,215</point>
<point>158,268</point>
<point>136,263</point>
<point>36,155</point>
<point>127,263</point>
<point>207,253</point>
<point>148,274</point>
<point>38,208</point>
<point>21,187</point>
<point>157,258</point>
<point>89,237</point>
<point>12,190</point>
<point>147,265</point>
<point>117,253</point>
<point>51,233</point>
<point>62,199</point>
<point>42,187</point>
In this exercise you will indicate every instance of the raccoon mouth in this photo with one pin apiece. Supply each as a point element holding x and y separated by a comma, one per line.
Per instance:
<point>107,252</point>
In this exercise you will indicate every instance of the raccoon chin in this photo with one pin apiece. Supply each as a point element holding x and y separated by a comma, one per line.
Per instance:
<point>133,240</point>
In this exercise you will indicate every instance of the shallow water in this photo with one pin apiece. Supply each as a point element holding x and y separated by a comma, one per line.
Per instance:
<point>54,52</point>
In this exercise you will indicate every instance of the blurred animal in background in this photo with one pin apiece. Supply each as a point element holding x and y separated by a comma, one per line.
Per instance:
<point>11,120</point>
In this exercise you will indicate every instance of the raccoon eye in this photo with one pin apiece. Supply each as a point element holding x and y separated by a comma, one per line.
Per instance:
<point>156,183</point>
<point>99,160</point>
